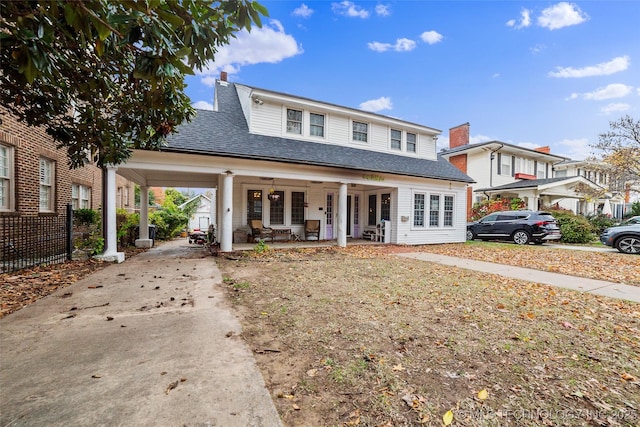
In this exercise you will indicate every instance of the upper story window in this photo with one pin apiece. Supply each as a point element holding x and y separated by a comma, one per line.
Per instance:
<point>316,124</point>
<point>294,121</point>
<point>541,170</point>
<point>504,164</point>
<point>6,178</point>
<point>47,188</point>
<point>396,139</point>
<point>411,142</point>
<point>360,131</point>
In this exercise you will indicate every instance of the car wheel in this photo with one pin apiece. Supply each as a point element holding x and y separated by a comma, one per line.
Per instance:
<point>628,245</point>
<point>471,235</point>
<point>521,237</point>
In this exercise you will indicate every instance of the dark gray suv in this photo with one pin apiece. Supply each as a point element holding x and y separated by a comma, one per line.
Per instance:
<point>521,227</point>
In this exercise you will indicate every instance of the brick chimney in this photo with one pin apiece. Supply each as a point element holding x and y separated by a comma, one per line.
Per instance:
<point>223,76</point>
<point>545,149</point>
<point>459,135</point>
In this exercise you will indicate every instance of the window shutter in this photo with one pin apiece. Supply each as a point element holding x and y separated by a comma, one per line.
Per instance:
<point>535,168</point>
<point>499,163</point>
<point>513,165</point>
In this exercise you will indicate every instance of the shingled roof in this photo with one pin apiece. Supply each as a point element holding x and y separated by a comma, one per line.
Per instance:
<point>225,133</point>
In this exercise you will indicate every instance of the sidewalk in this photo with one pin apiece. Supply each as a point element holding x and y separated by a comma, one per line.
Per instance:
<point>598,287</point>
<point>148,342</point>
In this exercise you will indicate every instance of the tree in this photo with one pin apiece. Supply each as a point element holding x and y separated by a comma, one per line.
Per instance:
<point>107,76</point>
<point>620,149</point>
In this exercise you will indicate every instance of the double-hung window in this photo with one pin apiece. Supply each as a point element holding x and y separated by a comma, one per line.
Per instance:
<point>504,164</point>
<point>396,139</point>
<point>276,208</point>
<point>448,211</point>
<point>297,207</point>
<point>6,178</point>
<point>434,210</point>
<point>411,142</point>
<point>47,187</point>
<point>316,124</point>
<point>294,121</point>
<point>418,210</point>
<point>80,196</point>
<point>360,131</point>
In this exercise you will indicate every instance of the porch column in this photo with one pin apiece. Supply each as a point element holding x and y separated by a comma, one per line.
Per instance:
<point>144,241</point>
<point>226,228</point>
<point>532,204</point>
<point>109,216</point>
<point>342,215</point>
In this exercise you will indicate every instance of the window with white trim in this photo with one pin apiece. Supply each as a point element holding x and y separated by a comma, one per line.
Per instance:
<point>411,142</point>
<point>6,178</point>
<point>47,187</point>
<point>360,131</point>
<point>316,124</point>
<point>418,210</point>
<point>434,210</point>
<point>294,121</point>
<point>396,139</point>
<point>504,164</point>
<point>297,207</point>
<point>80,196</point>
<point>447,219</point>
<point>254,204</point>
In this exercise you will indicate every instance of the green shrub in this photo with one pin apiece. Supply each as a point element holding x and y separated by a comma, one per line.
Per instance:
<point>574,228</point>
<point>599,222</point>
<point>86,216</point>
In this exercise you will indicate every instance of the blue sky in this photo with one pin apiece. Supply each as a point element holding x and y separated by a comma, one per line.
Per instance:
<point>531,73</point>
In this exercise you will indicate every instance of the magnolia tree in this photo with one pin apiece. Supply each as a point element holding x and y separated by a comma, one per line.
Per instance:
<point>105,77</point>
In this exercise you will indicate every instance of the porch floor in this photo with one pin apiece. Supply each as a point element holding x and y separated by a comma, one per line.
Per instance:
<point>292,244</point>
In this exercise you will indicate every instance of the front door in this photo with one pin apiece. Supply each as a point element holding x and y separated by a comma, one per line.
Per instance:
<point>329,217</point>
<point>349,216</point>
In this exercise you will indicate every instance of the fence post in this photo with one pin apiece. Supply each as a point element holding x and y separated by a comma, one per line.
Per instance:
<point>69,232</point>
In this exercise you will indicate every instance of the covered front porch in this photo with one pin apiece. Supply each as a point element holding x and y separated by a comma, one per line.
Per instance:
<point>349,205</point>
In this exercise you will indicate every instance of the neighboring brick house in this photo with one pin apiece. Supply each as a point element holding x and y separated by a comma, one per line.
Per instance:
<point>35,178</point>
<point>502,170</point>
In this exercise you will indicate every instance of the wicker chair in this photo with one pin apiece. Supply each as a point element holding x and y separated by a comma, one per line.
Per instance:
<point>260,232</point>
<point>312,228</point>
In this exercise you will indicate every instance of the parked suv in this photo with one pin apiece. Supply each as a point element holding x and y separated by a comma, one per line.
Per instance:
<point>521,227</point>
<point>625,238</point>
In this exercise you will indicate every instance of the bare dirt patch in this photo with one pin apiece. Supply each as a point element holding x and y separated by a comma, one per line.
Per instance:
<point>360,337</point>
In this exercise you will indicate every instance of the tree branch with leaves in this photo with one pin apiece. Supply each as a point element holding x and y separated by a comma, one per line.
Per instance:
<point>105,77</point>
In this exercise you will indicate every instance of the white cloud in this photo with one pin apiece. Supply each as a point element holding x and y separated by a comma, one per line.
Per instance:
<point>401,45</point>
<point>480,138</point>
<point>431,37</point>
<point>347,8</point>
<point>382,10</point>
<point>269,44</point>
<point>375,105</point>
<point>561,15</point>
<point>577,149</point>
<point>525,20</point>
<point>616,65</point>
<point>615,90</point>
<point>615,108</point>
<point>538,48</point>
<point>303,11</point>
<point>202,105</point>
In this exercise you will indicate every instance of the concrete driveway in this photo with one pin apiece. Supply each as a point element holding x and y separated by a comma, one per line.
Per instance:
<point>149,342</point>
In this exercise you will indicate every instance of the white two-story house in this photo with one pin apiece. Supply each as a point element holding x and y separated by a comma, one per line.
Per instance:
<point>502,170</point>
<point>284,159</point>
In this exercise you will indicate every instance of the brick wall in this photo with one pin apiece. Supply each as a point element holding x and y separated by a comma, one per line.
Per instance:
<point>31,143</point>
<point>459,135</point>
<point>459,161</point>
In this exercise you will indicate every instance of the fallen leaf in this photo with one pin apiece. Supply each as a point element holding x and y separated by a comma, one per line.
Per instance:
<point>171,386</point>
<point>398,367</point>
<point>628,377</point>
<point>295,407</point>
<point>483,394</point>
<point>447,418</point>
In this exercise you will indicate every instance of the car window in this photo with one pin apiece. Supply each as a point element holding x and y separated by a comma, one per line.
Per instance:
<point>488,218</point>
<point>547,217</point>
<point>504,217</point>
<point>522,216</point>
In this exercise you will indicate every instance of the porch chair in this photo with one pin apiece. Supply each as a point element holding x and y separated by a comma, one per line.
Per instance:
<point>258,231</point>
<point>312,228</point>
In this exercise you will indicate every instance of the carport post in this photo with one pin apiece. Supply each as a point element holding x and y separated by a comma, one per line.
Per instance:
<point>144,241</point>
<point>226,230</point>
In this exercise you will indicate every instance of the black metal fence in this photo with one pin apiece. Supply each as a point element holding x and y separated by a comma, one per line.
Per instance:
<point>26,241</point>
